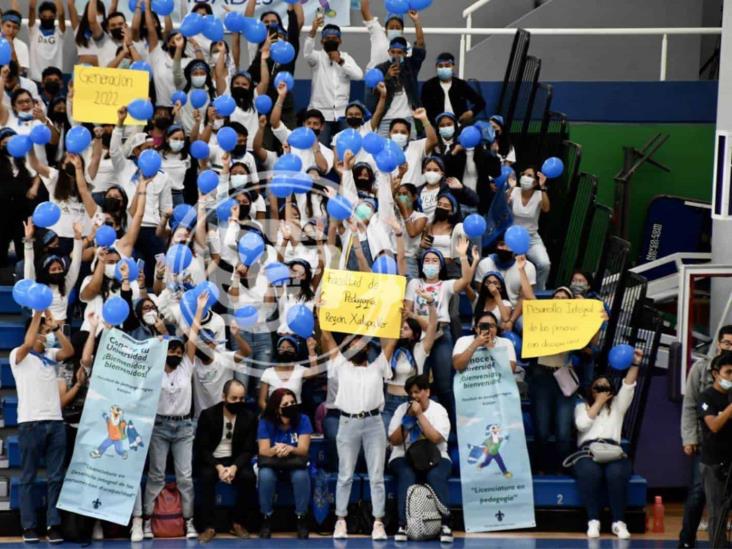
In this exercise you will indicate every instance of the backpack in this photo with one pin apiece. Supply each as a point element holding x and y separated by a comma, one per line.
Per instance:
<point>167,517</point>
<point>424,513</point>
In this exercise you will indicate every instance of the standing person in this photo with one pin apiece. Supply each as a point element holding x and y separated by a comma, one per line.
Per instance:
<point>448,93</point>
<point>46,39</point>
<point>11,23</point>
<point>380,36</point>
<point>225,445</point>
<point>698,380</point>
<point>41,432</point>
<point>715,412</point>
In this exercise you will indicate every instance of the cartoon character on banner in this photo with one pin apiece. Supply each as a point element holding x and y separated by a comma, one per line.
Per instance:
<point>490,450</point>
<point>116,433</point>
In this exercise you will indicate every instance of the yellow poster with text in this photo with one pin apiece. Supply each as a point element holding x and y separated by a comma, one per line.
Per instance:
<point>100,92</point>
<point>362,303</point>
<point>553,326</point>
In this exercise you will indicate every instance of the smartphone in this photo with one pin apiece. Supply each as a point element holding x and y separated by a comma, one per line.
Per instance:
<point>159,259</point>
<point>319,12</point>
<point>140,265</point>
<point>430,238</point>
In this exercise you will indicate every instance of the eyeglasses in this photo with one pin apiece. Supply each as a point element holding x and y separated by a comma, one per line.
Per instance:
<point>229,430</point>
<point>486,326</point>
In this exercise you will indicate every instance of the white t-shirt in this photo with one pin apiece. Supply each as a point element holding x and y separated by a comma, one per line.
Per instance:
<point>96,304</point>
<point>37,387</point>
<point>511,276</point>
<point>404,369</point>
<point>176,393</point>
<point>176,169</point>
<point>441,291</point>
<point>45,51</point>
<point>428,198</point>
<point>609,423</point>
<point>294,383</point>
<point>500,342</point>
<point>414,155</point>
<point>209,380</point>
<point>435,413</point>
<point>399,107</point>
<point>21,52</point>
<point>306,155</point>
<point>411,243</point>
<point>249,119</point>
<point>72,209</point>
<point>447,107</point>
<point>526,215</point>
<point>360,388</point>
<point>162,66</point>
<point>223,450</point>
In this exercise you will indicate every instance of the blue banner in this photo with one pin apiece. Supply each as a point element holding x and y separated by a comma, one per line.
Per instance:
<point>114,432</point>
<point>495,472</point>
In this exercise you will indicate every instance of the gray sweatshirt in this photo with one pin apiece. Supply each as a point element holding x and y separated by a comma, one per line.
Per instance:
<point>698,380</point>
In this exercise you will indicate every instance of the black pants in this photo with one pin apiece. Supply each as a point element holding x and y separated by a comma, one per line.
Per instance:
<point>13,211</point>
<point>244,483</point>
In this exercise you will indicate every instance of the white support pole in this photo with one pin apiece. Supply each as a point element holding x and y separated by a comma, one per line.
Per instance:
<point>461,61</point>
<point>664,57</point>
<point>469,39</point>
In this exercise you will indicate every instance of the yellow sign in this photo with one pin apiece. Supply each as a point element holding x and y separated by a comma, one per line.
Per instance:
<point>100,92</point>
<point>553,326</point>
<point>362,303</point>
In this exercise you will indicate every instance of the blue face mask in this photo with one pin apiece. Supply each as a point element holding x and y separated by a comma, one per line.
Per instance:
<point>25,116</point>
<point>444,73</point>
<point>431,271</point>
<point>50,340</point>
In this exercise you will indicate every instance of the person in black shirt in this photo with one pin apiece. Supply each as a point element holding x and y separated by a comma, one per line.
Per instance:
<point>715,411</point>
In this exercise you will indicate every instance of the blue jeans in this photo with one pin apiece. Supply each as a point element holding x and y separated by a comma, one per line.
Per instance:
<point>437,478</point>
<point>538,255</point>
<point>392,402</point>
<point>694,506</point>
<point>261,345</point>
<point>552,412</point>
<point>175,436</point>
<point>36,440</point>
<point>590,477</point>
<point>439,363</point>
<point>300,479</point>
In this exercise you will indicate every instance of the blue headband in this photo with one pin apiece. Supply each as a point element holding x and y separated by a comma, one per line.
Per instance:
<point>331,32</point>
<point>13,18</point>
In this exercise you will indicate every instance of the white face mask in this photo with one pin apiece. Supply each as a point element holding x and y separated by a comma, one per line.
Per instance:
<point>725,384</point>
<point>400,139</point>
<point>391,34</point>
<point>176,145</point>
<point>447,132</point>
<point>150,317</point>
<point>527,182</point>
<point>239,179</point>
<point>109,269</point>
<point>432,177</point>
<point>198,81</point>
<point>50,340</point>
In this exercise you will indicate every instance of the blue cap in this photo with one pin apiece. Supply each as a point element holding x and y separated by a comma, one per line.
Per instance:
<point>497,118</point>
<point>398,43</point>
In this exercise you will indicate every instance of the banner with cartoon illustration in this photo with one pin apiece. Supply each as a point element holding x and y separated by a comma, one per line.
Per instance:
<point>495,472</point>
<point>114,432</point>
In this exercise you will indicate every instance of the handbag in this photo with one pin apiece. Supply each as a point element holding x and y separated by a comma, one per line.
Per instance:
<point>283,464</point>
<point>567,380</point>
<point>601,451</point>
<point>422,455</point>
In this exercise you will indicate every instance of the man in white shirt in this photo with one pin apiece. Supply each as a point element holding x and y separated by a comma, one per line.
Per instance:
<point>41,432</point>
<point>46,39</point>
<point>333,71</point>
<point>11,21</point>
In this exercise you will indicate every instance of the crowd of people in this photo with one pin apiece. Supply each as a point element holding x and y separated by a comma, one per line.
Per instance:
<point>237,405</point>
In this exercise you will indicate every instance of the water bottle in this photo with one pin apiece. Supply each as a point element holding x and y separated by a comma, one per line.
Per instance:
<point>658,514</point>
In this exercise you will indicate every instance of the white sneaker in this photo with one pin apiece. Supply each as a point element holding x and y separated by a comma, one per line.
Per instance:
<point>593,529</point>
<point>191,530</point>
<point>136,534</point>
<point>620,529</point>
<point>378,533</point>
<point>446,534</point>
<point>97,532</point>
<point>341,529</point>
<point>147,529</point>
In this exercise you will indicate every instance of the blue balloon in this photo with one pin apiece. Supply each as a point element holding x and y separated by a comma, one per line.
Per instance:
<point>373,143</point>
<point>208,180</point>
<point>223,210</point>
<point>282,52</point>
<point>390,157</point>
<point>255,31</point>
<point>301,183</point>
<point>40,135</point>
<point>339,207</point>
<point>199,150</point>
<point>20,291</point>
<point>285,77</point>
<point>142,66</point>
<point>46,214</point>
<point>263,104</point>
<point>40,297</point>
<point>179,96</point>
<point>213,28</point>
<point>115,310</point>
<point>199,97</point>
<point>234,22</point>
<point>149,162</point>
<point>105,236</point>
<point>515,339</point>
<point>419,5</point>
<point>77,139</point>
<point>517,239</point>
<point>6,51</point>
<point>191,25</point>
<point>400,7</point>
<point>178,258</point>
<point>211,288</point>
<point>188,305</point>
<point>487,133</point>
<point>277,273</point>
<point>162,7</point>
<point>246,317</point>
<point>474,225</point>
<point>552,167</point>
<point>224,105</point>
<point>620,357</point>
<point>19,145</point>
<point>251,247</point>
<point>185,215</point>
<point>300,320</point>
<point>132,273</point>
<point>384,264</point>
<point>373,78</point>
<point>141,109</point>
<point>132,5</point>
<point>288,162</point>
<point>281,185</point>
<point>506,172</point>
<point>226,138</point>
<point>302,138</point>
<point>348,140</point>
<point>470,137</point>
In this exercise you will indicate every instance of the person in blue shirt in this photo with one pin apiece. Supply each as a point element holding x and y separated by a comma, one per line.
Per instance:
<point>284,434</point>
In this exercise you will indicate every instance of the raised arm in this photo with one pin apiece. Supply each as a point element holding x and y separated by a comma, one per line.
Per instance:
<point>251,6</point>
<point>264,76</point>
<point>244,349</point>
<point>414,16</point>
<point>31,12</point>
<point>366,14</point>
<point>275,118</point>
<point>94,26</point>
<point>73,14</point>
<point>467,269</point>
<point>30,337</point>
<point>196,325</point>
<point>380,109</point>
<point>133,231</point>
<point>152,34</point>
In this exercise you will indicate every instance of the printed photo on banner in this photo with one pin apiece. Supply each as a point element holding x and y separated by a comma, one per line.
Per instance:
<point>99,92</point>
<point>495,472</point>
<point>104,475</point>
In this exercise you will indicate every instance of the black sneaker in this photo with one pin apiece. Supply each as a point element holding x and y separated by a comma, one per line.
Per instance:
<point>446,534</point>
<point>30,535</point>
<point>265,532</point>
<point>302,527</point>
<point>401,535</point>
<point>53,535</point>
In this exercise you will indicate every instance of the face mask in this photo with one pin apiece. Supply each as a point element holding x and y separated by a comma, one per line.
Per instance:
<point>444,73</point>
<point>441,214</point>
<point>52,87</point>
<point>198,81</point>
<point>364,185</point>
<point>235,407</point>
<point>725,384</point>
<point>111,205</point>
<point>150,318</point>
<point>50,340</point>
<point>286,356</point>
<point>238,151</point>
<point>400,139</point>
<point>364,212</point>
<point>527,182</point>
<point>242,96</point>
<point>117,34</point>
<point>173,361</point>
<point>244,210</point>
<point>446,132</point>
<point>239,179</point>
<point>330,45</point>
<point>60,118</point>
<point>290,412</point>
<point>354,122</point>
<point>56,278</point>
<point>176,145</point>
<point>109,270</point>
<point>360,356</point>
<point>504,255</point>
<point>25,116</point>
<point>391,34</point>
<point>431,271</point>
<point>404,198</point>
<point>432,177</point>
<point>579,288</point>
<point>47,24</point>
